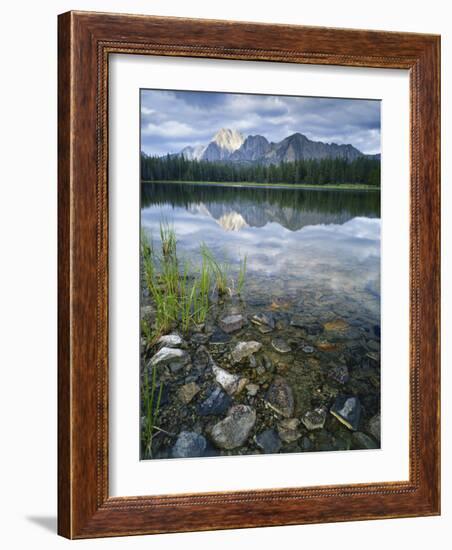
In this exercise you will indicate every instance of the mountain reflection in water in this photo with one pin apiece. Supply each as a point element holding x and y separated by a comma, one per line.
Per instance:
<point>295,240</point>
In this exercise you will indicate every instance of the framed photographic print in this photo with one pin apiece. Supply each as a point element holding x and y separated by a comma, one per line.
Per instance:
<point>248,275</point>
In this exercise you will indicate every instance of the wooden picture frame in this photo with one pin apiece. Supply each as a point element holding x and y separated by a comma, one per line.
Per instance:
<point>85,42</point>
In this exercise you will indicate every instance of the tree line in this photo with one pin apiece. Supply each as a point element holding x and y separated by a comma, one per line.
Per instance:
<point>363,170</point>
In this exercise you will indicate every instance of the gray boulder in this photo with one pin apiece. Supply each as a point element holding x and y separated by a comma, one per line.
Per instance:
<point>234,430</point>
<point>189,444</point>
<point>268,441</point>
<point>216,403</point>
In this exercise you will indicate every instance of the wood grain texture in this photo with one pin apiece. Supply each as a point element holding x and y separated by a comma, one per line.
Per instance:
<point>85,42</point>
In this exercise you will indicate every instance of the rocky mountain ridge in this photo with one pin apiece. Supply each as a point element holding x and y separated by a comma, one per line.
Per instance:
<point>231,146</point>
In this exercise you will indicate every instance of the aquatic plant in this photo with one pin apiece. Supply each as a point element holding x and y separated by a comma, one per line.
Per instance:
<point>163,284</point>
<point>181,298</point>
<point>219,270</point>
<point>241,275</point>
<point>147,332</point>
<point>202,287</point>
<point>186,300</point>
<point>168,239</point>
<point>150,400</point>
<point>147,259</point>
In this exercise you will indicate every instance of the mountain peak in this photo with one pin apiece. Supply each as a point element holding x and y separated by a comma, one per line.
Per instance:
<point>228,139</point>
<point>229,145</point>
<point>297,136</point>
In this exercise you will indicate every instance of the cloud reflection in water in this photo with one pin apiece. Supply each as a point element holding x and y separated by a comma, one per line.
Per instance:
<point>338,257</point>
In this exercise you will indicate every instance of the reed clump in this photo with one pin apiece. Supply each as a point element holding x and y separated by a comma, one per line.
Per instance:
<point>183,295</point>
<point>150,400</point>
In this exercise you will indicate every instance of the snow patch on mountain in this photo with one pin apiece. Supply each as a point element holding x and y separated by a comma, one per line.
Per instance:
<point>228,139</point>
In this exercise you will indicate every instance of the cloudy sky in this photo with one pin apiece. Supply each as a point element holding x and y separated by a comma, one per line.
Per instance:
<point>170,120</point>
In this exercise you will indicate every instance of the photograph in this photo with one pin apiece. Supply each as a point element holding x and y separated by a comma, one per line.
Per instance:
<point>259,274</point>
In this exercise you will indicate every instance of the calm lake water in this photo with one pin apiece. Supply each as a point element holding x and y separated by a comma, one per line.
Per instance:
<point>313,261</point>
<point>326,243</point>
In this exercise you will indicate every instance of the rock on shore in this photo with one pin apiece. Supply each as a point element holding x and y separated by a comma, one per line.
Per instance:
<point>234,430</point>
<point>175,358</point>
<point>231,383</point>
<point>189,444</point>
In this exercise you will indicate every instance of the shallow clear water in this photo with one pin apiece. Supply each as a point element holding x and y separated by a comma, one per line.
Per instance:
<point>295,241</point>
<point>313,261</point>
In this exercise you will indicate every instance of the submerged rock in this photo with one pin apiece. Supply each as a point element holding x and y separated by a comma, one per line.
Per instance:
<point>325,345</point>
<point>338,325</point>
<point>298,321</point>
<point>252,389</point>
<point>348,411</point>
<point>231,383</point>
<point>308,349</point>
<point>233,431</point>
<point>314,420</point>
<point>146,312</point>
<point>288,430</point>
<point>219,337</point>
<point>314,329</point>
<point>268,441</point>
<point>339,373</point>
<point>173,340</point>
<point>372,359</point>
<point>189,444</point>
<point>199,338</point>
<point>201,358</point>
<point>374,427</point>
<point>175,358</point>
<point>216,403</point>
<point>281,346</point>
<point>363,441</point>
<point>232,323</point>
<point>373,345</point>
<point>244,349</point>
<point>267,363</point>
<point>264,320</point>
<point>187,392</point>
<point>311,327</point>
<point>280,397</point>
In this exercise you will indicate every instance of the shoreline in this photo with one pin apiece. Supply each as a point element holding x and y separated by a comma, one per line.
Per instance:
<point>252,185</point>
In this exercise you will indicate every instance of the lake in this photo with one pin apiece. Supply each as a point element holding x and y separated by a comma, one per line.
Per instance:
<point>296,241</point>
<point>313,263</point>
